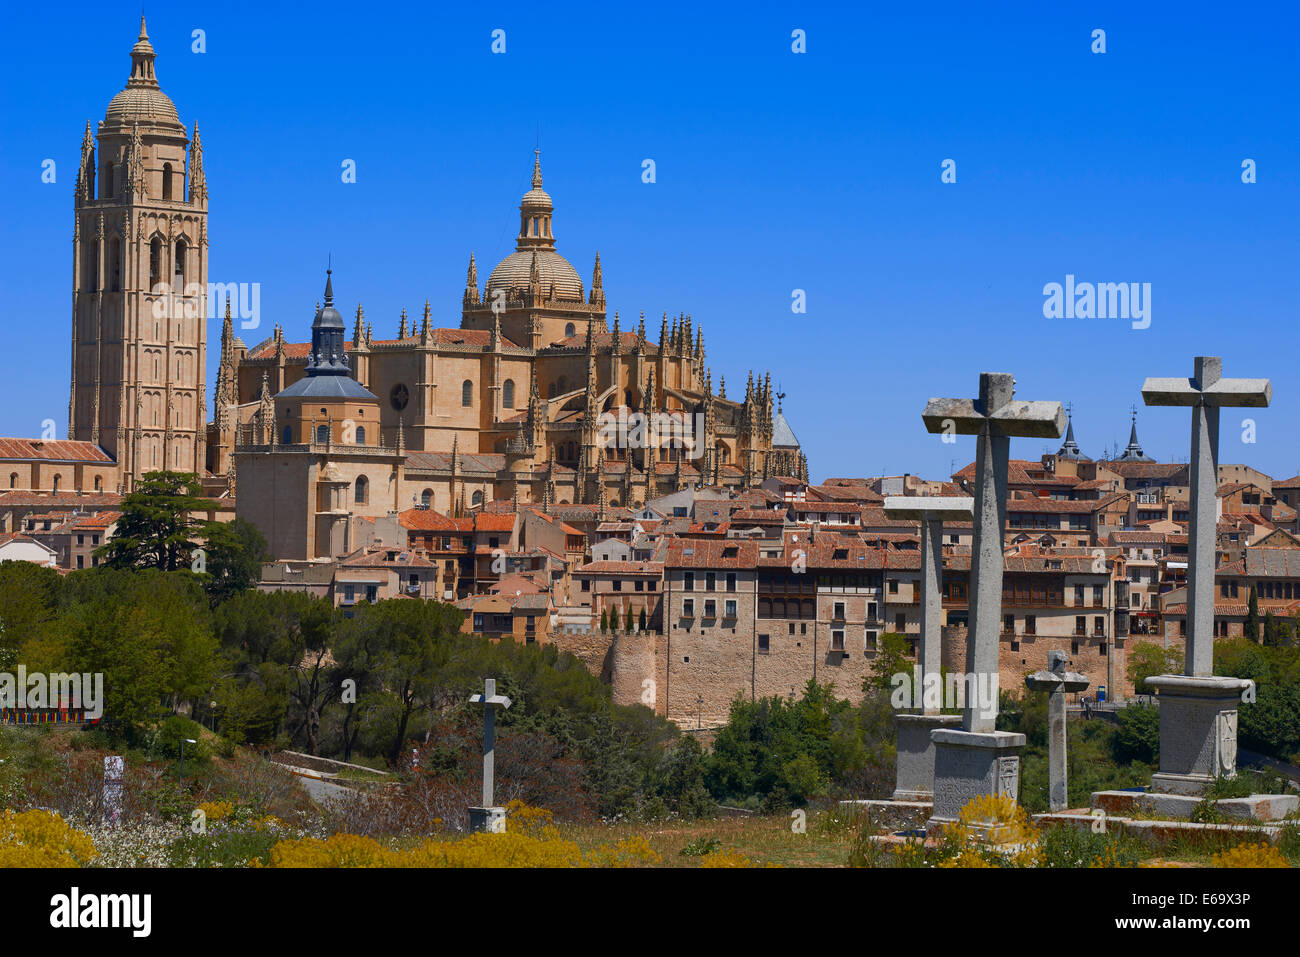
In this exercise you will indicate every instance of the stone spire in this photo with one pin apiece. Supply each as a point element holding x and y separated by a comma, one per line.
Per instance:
<point>359,328</point>
<point>640,334</point>
<point>591,337</point>
<point>617,336</point>
<point>426,323</point>
<point>136,184</point>
<point>597,297</point>
<point>471,283</point>
<point>663,334</point>
<point>86,172</point>
<point>402,331</point>
<point>198,181</point>
<point>722,386</point>
<point>142,57</point>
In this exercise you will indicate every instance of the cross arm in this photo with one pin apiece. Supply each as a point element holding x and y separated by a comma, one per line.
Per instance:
<point>1225,392</point>
<point>920,508</point>
<point>964,417</point>
<point>496,700</point>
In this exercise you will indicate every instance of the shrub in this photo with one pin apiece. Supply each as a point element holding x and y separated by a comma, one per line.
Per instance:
<point>1250,855</point>
<point>42,839</point>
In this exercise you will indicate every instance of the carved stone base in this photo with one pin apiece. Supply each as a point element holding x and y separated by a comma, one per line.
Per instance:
<point>968,764</point>
<point>1198,731</point>
<point>489,819</point>
<point>915,781</point>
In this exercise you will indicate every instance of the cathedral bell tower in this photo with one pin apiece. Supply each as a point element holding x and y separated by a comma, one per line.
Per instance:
<point>140,279</point>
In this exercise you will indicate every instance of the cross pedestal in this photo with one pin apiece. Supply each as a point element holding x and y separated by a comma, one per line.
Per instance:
<point>979,759</point>
<point>1198,710</point>
<point>488,817</point>
<point>915,768</point>
<point>1057,682</point>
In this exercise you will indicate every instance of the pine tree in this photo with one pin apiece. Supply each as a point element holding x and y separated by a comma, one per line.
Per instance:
<point>613,619</point>
<point>1252,616</point>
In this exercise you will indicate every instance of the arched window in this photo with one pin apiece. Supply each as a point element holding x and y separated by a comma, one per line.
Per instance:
<point>322,434</point>
<point>167,180</point>
<point>155,377</point>
<point>287,438</point>
<point>508,394</point>
<point>178,278</point>
<point>467,393</point>
<point>476,499</point>
<point>360,435</point>
<point>426,497</point>
<point>99,483</point>
<point>360,490</point>
<point>115,265</point>
<point>107,191</point>
<point>569,330</point>
<point>155,264</point>
<point>93,271</point>
<point>57,479</point>
<point>13,479</point>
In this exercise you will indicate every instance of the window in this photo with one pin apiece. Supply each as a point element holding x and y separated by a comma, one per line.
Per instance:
<point>360,437</point>
<point>1097,596</point>
<point>1080,624</point>
<point>155,266</point>
<point>372,592</point>
<point>710,581</point>
<point>167,181</point>
<point>837,640</point>
<point>322,434</point>
<point>476,498</point>
<point>106,189</point>
<point>13,479</point>
<point>893,586</point>
<point>1101,649</point>
<point>1078,596</point>
<point>731,581</point>
<point>900,623</point>
<point>288,435</point>
<point>688,608</point>
<point>1099,625</point>
<point>618,584</point>
<point>57,479</point>
<point>360,490</point>
<point>426,499</point>
<point>688,581</point>
<point>586,584</point>
<point>508,394</point>
<point>178,272</point>
<point>115,265</point>
<point>729,608</point>
<point>639,585</point>
<point>869,641</point>
<point>1031,624</point>
<point>764,644</point>
<point>569,330</point>
<point>839,611</point>
<point>467,393</point>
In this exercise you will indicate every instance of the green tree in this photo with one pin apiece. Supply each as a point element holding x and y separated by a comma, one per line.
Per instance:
<point>1147,659</point>
<point>1252,615</point>
<point>641,619</point>
<point>604,621</point>
<point>613,619</point>
<point>157,528</point>
<point>234,553</point>
<point>893,658</point>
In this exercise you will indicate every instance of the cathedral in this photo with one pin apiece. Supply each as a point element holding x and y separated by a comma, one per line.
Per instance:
<point>528,400</point>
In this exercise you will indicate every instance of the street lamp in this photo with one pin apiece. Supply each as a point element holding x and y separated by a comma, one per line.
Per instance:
<point>180,777</point>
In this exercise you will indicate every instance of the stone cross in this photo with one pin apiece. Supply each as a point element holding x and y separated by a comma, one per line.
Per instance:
<point>1205,392</point>
<point>994,417</point>
<point>490,701</point>
<point>1057,682</point>
<point>931,512</point>
<point>112,800</point>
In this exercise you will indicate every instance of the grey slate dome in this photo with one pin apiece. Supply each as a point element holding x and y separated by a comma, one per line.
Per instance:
<point>329,373</point>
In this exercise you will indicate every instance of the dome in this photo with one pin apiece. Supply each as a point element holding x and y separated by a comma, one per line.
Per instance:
<point>537,197</point>
<point>141,103</point>
<point>142,99</point>
<point>515,270</point>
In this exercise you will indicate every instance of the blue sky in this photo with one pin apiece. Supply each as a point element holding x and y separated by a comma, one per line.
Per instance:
<point>775,172</point>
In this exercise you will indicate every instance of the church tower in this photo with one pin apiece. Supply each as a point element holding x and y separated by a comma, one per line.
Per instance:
<point>140,279</point>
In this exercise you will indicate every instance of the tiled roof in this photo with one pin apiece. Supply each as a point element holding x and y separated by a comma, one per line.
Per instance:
<point>59,500</point>
<point>53,450</point>
<point>649,569</point>
<point>440,337</point>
